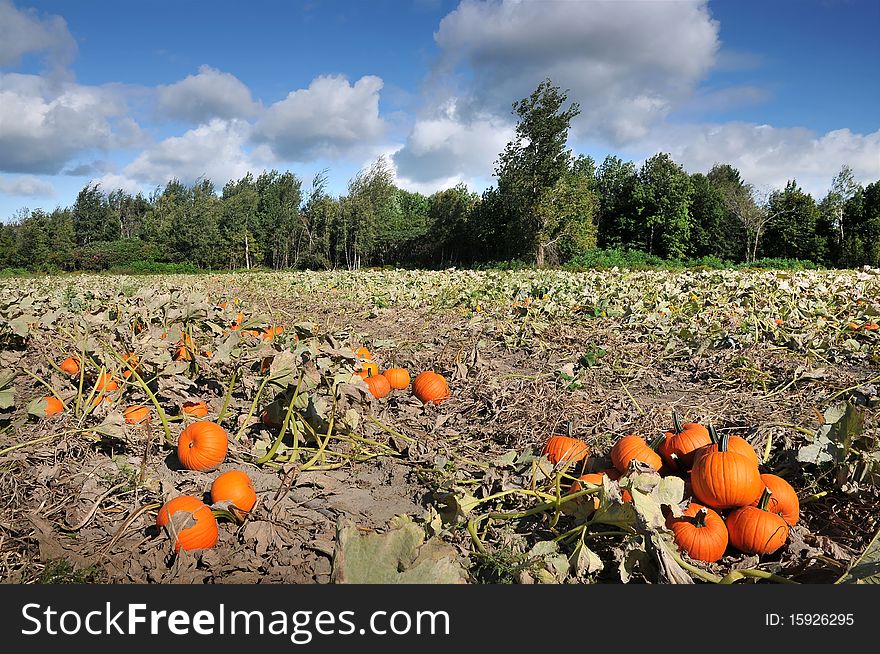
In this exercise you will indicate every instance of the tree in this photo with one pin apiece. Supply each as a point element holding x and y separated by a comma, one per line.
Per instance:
<point>664,194</point>
<point>617,186</point>
<point>92,218</point>
<point>791,226</point>
<point>371,203</point>
<point>532,164</point>
<point>743,203</point>
<point>714,231</point>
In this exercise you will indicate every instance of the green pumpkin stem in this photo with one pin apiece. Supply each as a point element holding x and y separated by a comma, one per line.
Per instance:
<point>713,435</point>
<point>721,441</point>
<point>676,423</point>
<point>569,429</point>
<point>700,518</point>
<point>765,499</point>
<point>657,441</point>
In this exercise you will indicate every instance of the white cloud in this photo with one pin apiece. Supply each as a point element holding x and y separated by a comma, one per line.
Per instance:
<point>209,94</point>
<point>113,181</point>
<point>445,149</point>
<point>215,151</point>
<point>44,123</point>
<point>330,119</point>
<point>628,64</point>
<point>23,32</point>
<point>770,156</point>
<point>26,185</point>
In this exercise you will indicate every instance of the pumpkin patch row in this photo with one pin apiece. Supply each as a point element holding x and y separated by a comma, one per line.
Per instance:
<point>732,503</point>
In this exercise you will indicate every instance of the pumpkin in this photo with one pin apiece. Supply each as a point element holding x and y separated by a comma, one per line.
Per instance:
<point>683,441</point>
<point>734,444</point>
<point>183,354</point>
<point>783,499</point>
<point>757,530</point>
<point>430,386</point>
<point>100,398</point>
<point>202,446</point>
<point>363,353</point>
<point>70,366</point>
<point>106,382</point>
<point>724,479</point>
<point>379,385</point>
<point>398,378</point>
<point>631,448</point>
<point>236,487</point>
<point>195,409</point>
<point>700,532</point>
<point>270,333</point>
<point>562,449</point>
<point>189,522</point>
<point>54,406</point>
<point>130,358</point>
<point>137,414</point>
<point>593,478</point>
<point>368,368</point>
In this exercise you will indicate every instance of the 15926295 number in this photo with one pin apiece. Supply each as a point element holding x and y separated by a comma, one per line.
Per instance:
<point>821,619</point>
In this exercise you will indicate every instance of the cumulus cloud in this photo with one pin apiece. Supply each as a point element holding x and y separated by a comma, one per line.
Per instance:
<point>215,151</point>
<point>628,64</point>
<point>769,156</point>
<point>209,94</point>
<point>23,31</point>
<point>444,148</point>
<point>44,123</point>
<point>26,185</point>
<point>330,119</point>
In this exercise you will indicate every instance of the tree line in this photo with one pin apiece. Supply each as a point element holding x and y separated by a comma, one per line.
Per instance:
<point>547,207</point>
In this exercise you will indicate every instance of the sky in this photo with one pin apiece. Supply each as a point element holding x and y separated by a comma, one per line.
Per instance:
<point>132,94</point>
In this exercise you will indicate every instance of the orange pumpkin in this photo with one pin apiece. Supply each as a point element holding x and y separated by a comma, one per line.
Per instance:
<point>54,406</point>
<point>724,479</point>
<point>378,385</point>
<point>683,441</point>
<point>562,449</point>
<point>70,366</point>
<point>236,487</point>
<point>202,446</point>
<point>133,360</point>
<point>189,522</point>
<point>700,532</point>
<point>106,383</point>
<point>363,353</point>
<point>631,448</point>
<point>270,333</point>
<point>368,369</point>
<point>137,415</point>
<point>783,499</point>
<point>398,378</point>
<point>592,478</point>
<point>195,409</point>
<point>430,386</point>
<point>735,443</point>
<point>756,530</point>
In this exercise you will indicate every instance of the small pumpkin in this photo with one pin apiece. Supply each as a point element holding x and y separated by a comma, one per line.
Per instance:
<point>132,359</point>
<point>724,479</point>
<point>54,406</point>
<point>592,478</point>
<point>196,409</point>
<point>270,333</point>
<point>756,529</point>
<point>190,523</point>
<point>368,368</point>
<point>783,499</point>
<point>430,386</point>
<point>202,446</point>
<point>363,353</point>
<point>106,383</point>
<point>70,365</point>
<point>683,441</point>
<point>379,385</point>
<point>137,415</point>
<point>563,449</point>
<point>100,398</point>
<point>236,487</point>
<point>633,447</point>
<point>700,532</point>
<point>398,378</point>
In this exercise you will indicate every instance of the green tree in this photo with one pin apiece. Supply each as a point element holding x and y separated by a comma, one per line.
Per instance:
<point>371,203</point>
<point>617,185</point>
<point>791,228</point>
<point>92,218</point>
<point>714,231</point>
<point>532,164</point>
<point>664,194</point>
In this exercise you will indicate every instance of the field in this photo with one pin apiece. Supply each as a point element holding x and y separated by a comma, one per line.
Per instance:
<point>354,488</point>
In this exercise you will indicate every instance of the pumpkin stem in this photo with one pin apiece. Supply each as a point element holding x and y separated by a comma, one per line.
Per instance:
<point>657,441</point>
<point>676,423</point>
<point>724,442</point>
<point>569,429</point>
<point>765,499</point>
<point>713,435</point>
<point>700,518</point>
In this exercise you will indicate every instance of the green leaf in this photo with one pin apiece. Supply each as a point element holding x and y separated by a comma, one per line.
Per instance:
<point>866,569</point>
<point>399,556</point>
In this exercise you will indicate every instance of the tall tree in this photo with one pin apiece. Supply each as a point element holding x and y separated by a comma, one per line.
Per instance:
<point>533,163</point>
<point>664,195</point>
<point>617,185</point>
<point>791,227</point>
<point>92,217</point>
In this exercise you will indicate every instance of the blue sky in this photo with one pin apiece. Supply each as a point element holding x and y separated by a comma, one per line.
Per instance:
<point>131,94</point>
